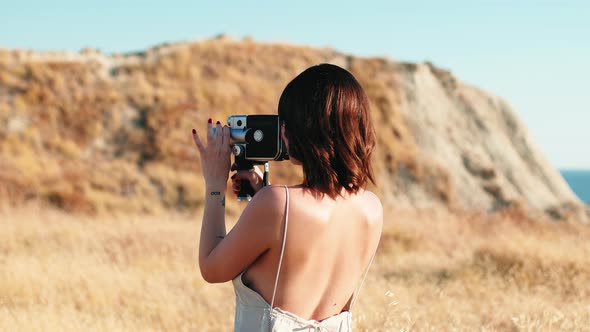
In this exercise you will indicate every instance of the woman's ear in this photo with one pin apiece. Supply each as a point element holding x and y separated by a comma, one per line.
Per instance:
<point>283,136</point>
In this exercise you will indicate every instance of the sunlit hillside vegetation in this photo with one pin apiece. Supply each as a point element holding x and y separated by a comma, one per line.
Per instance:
<point>89,133</point>
<point>433,272</point>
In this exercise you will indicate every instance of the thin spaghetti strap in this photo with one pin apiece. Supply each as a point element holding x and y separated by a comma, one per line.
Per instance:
<point>282,248</point>
<point>356,293</point>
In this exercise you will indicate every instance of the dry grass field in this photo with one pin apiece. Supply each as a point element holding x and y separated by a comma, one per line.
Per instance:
<point>434,271</point>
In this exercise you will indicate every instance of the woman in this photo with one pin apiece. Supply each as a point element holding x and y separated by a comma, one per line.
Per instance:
<point>297,255</point>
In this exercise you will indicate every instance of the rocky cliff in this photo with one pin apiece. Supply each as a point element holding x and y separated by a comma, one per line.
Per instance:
<point>93,133</point>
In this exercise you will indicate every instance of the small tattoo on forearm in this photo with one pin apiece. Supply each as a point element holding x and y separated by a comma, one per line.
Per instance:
<point>215,193</point>
<point>223,201</point>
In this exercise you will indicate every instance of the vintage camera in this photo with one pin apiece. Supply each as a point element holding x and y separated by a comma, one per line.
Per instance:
<point>256,140</point>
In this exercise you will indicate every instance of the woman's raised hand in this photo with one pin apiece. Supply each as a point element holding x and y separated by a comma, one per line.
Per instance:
<point>254,176</point>
<point>215,156</point>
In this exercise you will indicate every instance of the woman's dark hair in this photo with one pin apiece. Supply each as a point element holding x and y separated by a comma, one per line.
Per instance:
<point>325,112</point>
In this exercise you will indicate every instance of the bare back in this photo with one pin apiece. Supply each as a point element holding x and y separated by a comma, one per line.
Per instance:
<point>329,245</point>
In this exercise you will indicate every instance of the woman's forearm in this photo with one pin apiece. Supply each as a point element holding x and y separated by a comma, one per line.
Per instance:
<point>213,225</point>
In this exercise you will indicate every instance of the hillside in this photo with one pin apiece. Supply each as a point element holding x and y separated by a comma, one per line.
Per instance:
<point>93,133</point>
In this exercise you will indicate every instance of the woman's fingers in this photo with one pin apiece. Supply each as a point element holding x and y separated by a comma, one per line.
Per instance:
<point>235,187</point>
<point>198,142</point>
<point>220,138</point>
<point>218,135</point>
<point>209,132</point>
<point>244,175</point>
<point>226,133</point>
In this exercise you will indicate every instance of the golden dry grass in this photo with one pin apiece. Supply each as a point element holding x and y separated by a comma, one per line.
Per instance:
<point>434,271</point>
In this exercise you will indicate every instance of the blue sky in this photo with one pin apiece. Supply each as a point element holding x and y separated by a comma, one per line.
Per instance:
<point>535,54</point>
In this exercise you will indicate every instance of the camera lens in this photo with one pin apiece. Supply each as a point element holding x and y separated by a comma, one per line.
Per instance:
<point>239,123</point>
<point>258,135</point>
<point>237,150</point>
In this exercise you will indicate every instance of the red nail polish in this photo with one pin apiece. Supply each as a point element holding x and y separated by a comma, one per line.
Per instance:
<point>210,120</point>
<point>218,122</point>
<point>194,131</point>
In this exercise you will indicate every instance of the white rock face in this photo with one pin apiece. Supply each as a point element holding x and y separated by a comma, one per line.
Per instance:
<point>486,150</point>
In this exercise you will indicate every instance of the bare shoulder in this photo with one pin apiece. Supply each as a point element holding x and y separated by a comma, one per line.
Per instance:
<point>269,198</point>
<point>273,191</point>
<point>265,211</point>
<point>372,199</point>
<point>373,206</point>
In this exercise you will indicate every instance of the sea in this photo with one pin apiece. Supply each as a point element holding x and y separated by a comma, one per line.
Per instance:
<point>579,181</point>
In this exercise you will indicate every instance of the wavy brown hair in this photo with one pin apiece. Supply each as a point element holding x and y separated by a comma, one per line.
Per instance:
<point>325,112</point>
